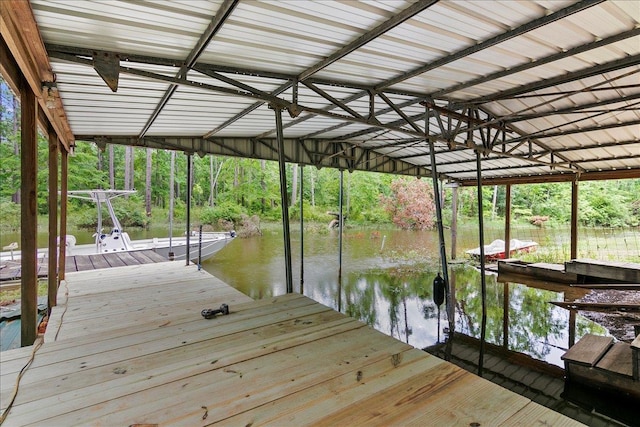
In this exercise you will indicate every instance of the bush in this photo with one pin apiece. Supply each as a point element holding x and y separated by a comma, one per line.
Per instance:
<point>227,211</point>
<point>9,215</point>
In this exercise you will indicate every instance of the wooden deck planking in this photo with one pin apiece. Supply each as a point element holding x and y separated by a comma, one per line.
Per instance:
<point>618,359</point>
<point>285,360</point>
<point>588,350</point>
<point>615,270</point>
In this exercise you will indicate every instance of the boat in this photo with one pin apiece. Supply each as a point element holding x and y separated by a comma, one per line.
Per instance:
<point>496,250</point>
<point>202,245</point>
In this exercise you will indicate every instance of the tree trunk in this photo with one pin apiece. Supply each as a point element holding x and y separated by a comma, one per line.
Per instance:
<point>294,185</point>
<point>127,168</point>
<point>495,199</point>
<point>112,177</point>
<point>147,190</point>
<point>211,181</point>
<point>313,186</point>
<point>263,183</point>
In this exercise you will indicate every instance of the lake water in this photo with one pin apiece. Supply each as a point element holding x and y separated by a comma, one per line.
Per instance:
<point>383,286</point>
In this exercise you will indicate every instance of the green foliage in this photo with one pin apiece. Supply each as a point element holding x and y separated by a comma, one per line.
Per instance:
<point>224,211</point>
<point>602,206</point>
<point>9,215</point>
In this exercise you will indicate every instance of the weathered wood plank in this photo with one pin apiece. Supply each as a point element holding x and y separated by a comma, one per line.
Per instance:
<point>83,263</point>
<point>617,359</point>
<point>98,261</point>
<point>113,260</point>
<point>597,306</point>
<point>142,257</point>
<point>635,350</point>
<point>588,350</point>
<point>127,258</point>
<point>614,270</point>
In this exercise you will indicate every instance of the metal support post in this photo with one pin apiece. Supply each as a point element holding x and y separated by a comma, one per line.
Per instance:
<point>301,231</point>
<point>483,281</point>
<point>189,157</point>
<point>340,225</point>
<point>283,198</point>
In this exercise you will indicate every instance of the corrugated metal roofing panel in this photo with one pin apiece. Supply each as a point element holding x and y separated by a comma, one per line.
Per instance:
<point>260,38</point>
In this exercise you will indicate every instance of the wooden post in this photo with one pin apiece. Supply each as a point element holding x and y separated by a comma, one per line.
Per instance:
<point>29,218</point>
<point>574,219</point>
<point>53,219</point>
<point>507,223</point>
<point>64,181</point>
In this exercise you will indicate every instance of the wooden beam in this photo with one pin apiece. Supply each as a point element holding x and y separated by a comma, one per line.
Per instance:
<point>53,220</point>
<point>29,218</point>
<point>564,177</point>
<point>597,306</point>
<point>21,36</point>
<point>64,179</point>
<point>574,220</point>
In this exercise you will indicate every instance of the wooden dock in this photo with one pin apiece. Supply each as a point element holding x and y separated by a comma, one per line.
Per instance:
<point>11,270</point>
<point>128,346</point>
<point>597,362</point>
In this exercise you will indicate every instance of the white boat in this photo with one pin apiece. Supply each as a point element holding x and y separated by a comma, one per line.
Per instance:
<point>496,249</point>
<point>118,240</point>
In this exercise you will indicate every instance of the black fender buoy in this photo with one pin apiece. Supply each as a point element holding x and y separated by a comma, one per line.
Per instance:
<point>438,290</point>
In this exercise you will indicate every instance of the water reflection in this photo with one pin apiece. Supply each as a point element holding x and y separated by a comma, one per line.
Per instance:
<point>387,291</point>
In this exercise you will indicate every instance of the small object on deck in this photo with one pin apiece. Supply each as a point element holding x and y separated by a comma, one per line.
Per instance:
<point>209,313</point>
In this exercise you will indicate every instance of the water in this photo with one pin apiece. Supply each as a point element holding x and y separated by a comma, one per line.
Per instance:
<point>389,286</point>
<point>385,289</point>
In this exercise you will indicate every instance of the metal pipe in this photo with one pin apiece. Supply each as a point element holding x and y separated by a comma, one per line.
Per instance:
<point>200,248</point>
<point>171,202</point>
<point>340,225</point>
<point>301,231</point>
<point>189,156</point>
<point>283,199</point>
<point>443,251</point>
<point>483,281</point>
<point>507,223</point>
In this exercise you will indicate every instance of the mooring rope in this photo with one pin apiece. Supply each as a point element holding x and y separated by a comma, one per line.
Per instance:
<point>36,346</point>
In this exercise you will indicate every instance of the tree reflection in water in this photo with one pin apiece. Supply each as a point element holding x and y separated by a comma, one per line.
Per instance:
<point>394,295</point>
<point>400,303</point>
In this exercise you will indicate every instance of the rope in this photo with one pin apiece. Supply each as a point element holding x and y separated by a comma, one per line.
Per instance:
<point>66,304</point>
<point>38,343</point>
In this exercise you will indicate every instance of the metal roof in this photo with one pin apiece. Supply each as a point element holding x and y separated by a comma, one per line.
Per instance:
<point>538,87</point>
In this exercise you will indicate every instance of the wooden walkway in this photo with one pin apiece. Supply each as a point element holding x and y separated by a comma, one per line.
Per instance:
<point>11,269</point>
<point>128,346</point>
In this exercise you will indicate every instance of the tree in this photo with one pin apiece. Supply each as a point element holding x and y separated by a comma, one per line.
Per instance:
<point>147,189</point>
<point>411,204</point>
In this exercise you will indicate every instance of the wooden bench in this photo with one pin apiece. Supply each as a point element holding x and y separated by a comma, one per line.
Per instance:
<point>597,362</point>
<point>588,351</point>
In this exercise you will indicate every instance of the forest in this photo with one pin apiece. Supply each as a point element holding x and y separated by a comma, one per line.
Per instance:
<point>230,189</point>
